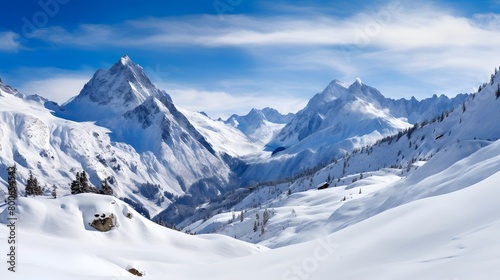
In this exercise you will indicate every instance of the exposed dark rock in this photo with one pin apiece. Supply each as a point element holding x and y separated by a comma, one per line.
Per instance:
<point>135,272</point>
<point>104,223</point>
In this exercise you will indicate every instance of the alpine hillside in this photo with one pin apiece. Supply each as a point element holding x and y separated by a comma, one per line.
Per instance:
<point>338,120</point>
<point>120,128</point>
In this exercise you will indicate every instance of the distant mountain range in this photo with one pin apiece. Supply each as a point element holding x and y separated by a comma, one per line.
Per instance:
<point>164,160</point>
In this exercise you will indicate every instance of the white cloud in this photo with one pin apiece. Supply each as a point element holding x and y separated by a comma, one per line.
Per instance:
<point>58,89</point>
<point>438,50</point>
<point>391,26</point>
<point>488,21</point>
<point>222,104</point>
<point>8,41</point>
<point>401,29</point>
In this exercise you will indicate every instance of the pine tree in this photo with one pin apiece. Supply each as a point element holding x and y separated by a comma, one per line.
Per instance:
<point>38,188</point>
<point>106,188</point>
<point>54,191</point>
<point>497,93</point>
<point>12,181</point>
<point>255,226</point>
<point>85,185</point>
<point>76,186</point>
<point>265,217</point>
<point>241,217</point>
<point>30,186</point>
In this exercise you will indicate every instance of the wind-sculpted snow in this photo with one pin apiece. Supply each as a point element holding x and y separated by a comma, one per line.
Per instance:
<point>59,230</point>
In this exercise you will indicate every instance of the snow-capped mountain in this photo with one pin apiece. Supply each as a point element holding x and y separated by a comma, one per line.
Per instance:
<point>359,109</point>
<point>412,185</point>
<point>224,138</point>
<point>151,152</point>
<point>112,93</point>
<point>148,150</point>
<point>452,152</point>
<point>260,125</point>
<point>125,101</point>
<point>443,179</point>
<point>54,149</point>
<point>338,120</point>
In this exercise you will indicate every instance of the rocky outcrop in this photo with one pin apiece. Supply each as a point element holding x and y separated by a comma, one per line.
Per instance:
<point>104,223</point>
<point>136,272</point>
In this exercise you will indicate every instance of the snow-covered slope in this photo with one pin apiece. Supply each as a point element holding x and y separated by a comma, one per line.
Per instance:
<point>54,149</point>
<point>55,240</point>
<point>419,204</point>
<point>451,152</point>
<point>435,235</point>
<point>260,125</point>
<point>223,137</point>
<point>448,235</point>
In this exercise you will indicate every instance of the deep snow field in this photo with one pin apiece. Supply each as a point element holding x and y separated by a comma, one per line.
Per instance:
<point>440,221</point>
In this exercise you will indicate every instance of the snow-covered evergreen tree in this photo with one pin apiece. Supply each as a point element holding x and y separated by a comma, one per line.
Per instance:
<point>32,186</point>
<point>76,186</point>
<point>106,188</point>
<point>265,217</point>
<point>54,191</point>
<point>85,184</point>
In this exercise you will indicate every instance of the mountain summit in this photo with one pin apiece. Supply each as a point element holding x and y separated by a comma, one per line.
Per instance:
<point>113,92</point>
<point>143,119</point>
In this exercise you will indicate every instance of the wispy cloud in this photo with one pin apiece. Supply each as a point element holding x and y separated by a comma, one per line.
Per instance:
<point>432,47</point>
<point>58,85</point>
<point>8,41</point>
<point>210,102</point>
<point>391,26</point>
<point>58,89</point>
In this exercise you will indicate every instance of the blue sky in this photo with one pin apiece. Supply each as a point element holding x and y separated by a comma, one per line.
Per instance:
<point>227,56</point>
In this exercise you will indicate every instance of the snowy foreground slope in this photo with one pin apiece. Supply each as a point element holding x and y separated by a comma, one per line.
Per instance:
<point>449,230</point>
<point>55,239</point>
